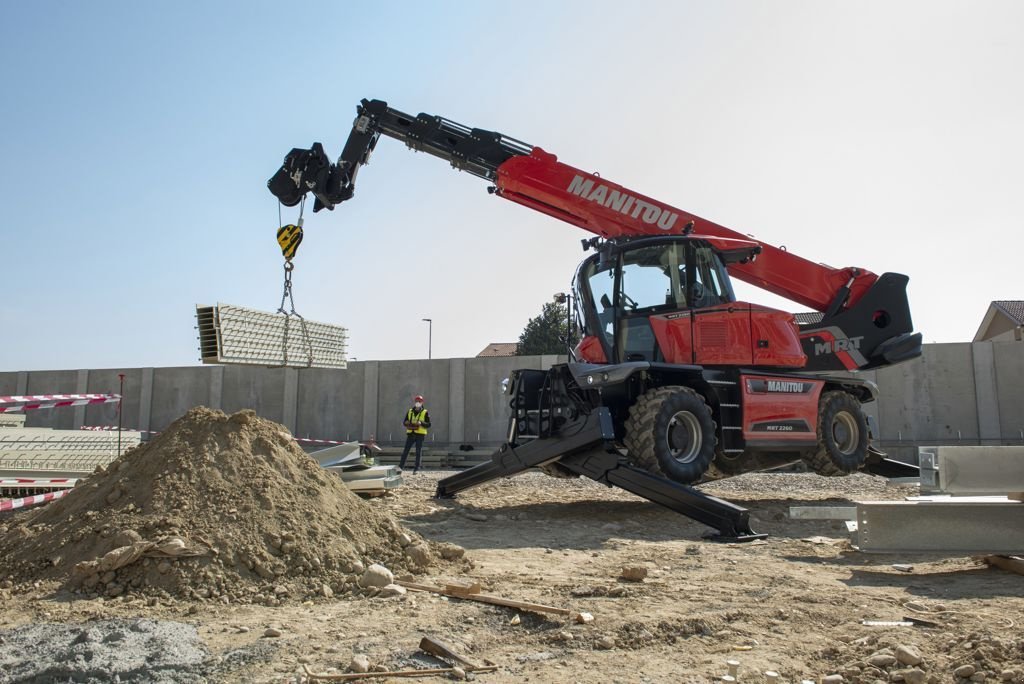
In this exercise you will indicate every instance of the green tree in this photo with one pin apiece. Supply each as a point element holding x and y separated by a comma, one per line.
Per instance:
<point>546,333</point>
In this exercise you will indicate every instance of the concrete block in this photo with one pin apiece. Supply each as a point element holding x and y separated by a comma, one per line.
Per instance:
<point>953,527</point>
<point>972,470</point>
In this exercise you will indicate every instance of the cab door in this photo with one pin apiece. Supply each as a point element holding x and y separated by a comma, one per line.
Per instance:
<point>721,325</point>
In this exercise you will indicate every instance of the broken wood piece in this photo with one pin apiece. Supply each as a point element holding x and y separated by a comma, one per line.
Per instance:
<point>1015,496</point>
<point>1008,563</point>
<point>887,623</point>
<point>460,588</point>
<point>487,598</point>
<point>438,648</point>
<point>352,676</point>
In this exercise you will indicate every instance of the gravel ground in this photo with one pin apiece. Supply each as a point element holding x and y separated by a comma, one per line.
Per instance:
<point>802,603</point>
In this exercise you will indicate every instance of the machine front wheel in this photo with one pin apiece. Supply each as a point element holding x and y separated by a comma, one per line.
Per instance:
<point>671,432</point>
<point>842,435</point>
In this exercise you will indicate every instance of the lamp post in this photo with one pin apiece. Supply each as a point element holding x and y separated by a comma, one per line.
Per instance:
<point>430,336</point>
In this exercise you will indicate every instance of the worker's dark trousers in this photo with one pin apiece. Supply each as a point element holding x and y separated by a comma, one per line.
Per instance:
<point>410,439</point>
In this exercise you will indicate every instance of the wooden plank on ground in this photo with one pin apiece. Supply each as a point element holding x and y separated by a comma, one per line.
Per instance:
<point>487,598</point>
<point>352,676</point>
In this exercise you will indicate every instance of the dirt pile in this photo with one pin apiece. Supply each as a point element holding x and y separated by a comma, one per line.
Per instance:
<point>216,507</point>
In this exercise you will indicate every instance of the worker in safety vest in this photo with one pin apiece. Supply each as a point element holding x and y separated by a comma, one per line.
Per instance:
<point>416,422</point>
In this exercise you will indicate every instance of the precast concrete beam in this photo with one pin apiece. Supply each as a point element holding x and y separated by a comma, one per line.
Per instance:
<point>971,470</point>
<point>950,526</point>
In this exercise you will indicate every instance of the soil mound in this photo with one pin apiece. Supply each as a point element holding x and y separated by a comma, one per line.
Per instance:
<point>216,507</point>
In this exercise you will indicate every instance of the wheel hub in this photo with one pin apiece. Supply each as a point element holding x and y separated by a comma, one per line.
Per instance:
<point>845,433</point>
<point>684,437</point>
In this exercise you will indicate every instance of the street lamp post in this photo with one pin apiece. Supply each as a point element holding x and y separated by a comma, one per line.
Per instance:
<point>430,336</point>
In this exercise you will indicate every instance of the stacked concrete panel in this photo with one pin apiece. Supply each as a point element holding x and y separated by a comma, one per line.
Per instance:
<point>239,335</point>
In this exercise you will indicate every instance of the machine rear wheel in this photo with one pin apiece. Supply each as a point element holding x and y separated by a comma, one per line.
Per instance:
<point>842,435</point>
<point>671,432</point>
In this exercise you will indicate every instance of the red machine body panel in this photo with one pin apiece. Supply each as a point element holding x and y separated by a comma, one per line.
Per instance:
<point>780,411</point>
<point>775,339</point>
<point>721,336</point>
<point>737,334</point>
<point>590,350</point>
<point>674,333</point>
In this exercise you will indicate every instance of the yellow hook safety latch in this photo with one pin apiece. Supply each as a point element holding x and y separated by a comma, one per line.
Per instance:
<point>289,237</point>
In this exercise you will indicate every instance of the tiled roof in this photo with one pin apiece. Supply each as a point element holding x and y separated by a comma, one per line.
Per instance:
<point>500,349</point>
<point>1013,308</point>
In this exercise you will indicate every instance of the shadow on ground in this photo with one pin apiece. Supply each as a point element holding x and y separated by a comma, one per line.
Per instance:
<point>597,522</point>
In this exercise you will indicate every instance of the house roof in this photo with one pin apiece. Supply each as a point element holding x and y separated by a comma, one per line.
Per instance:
<point>499,349</point>
<point>1010,310</point>
<point>1013,308</point>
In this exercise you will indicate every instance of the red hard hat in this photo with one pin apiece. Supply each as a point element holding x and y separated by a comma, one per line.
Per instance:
<point>417,398</point>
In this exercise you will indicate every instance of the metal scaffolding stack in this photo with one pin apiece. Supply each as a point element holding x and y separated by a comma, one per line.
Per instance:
<point>237,335</point>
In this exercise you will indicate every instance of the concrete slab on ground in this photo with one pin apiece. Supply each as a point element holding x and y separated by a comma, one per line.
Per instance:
<point>952,526</point>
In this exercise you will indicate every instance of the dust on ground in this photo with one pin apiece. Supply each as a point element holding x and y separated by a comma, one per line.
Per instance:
<point>793,604</point>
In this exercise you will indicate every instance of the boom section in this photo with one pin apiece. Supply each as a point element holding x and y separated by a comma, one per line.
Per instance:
<point>528,175</point>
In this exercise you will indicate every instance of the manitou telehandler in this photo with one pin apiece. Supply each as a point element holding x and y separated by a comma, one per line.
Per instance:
<point>673,381</point>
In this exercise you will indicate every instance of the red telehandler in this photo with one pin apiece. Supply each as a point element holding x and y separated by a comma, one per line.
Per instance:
<point>673,381</point>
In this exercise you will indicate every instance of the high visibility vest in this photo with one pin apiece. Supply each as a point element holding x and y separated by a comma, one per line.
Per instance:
<point>414,417</point>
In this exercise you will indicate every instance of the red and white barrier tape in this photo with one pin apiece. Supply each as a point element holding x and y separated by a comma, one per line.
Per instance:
<point>38,482</point>
<point>23,398</point>
<point>43,401</point>
<point>11,504</point>
<point>306,440</point>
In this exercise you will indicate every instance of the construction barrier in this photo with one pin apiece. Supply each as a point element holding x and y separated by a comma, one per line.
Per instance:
<point>17,403</point>
<point>41,483</point>
<point>11,504</point>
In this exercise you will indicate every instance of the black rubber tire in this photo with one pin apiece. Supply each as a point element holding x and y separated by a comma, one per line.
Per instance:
<point>666,421</point>
<point>842,436</point>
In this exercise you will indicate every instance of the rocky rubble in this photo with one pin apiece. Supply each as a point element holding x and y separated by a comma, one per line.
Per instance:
<point>973,658</point>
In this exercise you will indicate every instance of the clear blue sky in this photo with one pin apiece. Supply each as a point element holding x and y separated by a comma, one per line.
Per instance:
<point>137,139</point>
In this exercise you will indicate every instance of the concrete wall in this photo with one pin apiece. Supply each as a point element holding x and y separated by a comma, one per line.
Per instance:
<point>955,394</point>
<point>366,400</point>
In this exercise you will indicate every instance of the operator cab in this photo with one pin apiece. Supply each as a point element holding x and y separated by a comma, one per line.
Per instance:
<point>670,300</point>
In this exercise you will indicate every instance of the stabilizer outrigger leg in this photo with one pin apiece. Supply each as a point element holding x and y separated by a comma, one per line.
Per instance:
<point>585,447</point>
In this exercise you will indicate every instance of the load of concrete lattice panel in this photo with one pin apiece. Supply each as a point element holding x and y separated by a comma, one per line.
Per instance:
<point>237,335</point>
